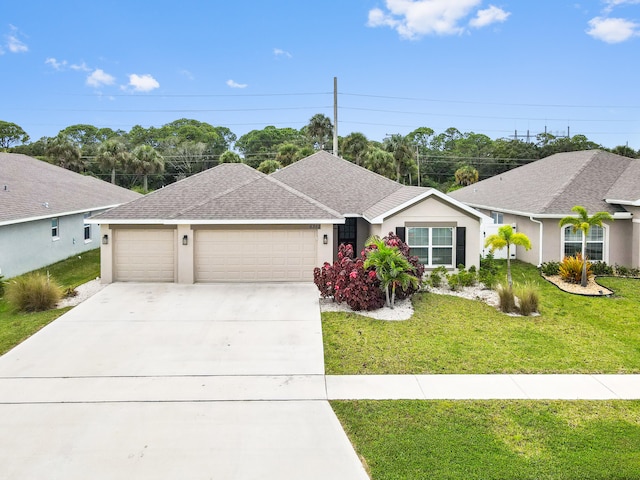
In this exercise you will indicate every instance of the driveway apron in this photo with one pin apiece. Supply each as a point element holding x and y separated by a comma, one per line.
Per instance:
<point>165,381</point>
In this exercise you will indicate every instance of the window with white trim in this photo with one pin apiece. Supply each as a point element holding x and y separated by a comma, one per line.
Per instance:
<point>55,228</point>
<point>87,228</point>
<point>497,217</point>
<point>595,242</point>
<point>432,245</point>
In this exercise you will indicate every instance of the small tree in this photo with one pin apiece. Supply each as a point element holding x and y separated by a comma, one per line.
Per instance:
<point>392,268</point>
<point>230,157</point>
<point>584,222</point>
<point>505,238</point>
<point>113,153</point>
<point>146,160</point>
<point>269,166</point>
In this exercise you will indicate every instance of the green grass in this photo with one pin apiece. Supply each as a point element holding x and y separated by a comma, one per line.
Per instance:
<point>573,334</point>
<point>495,439</point>
<point>15,327</point>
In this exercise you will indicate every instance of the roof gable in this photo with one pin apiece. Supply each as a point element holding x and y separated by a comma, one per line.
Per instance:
<point>626,189</point>
<point>32,188</point>
<point>552,185</point>
<point>337,183</point>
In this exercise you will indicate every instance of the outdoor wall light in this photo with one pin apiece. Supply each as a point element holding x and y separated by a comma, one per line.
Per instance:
<point>105,239</point>
<point>325,239</point>
<point>185,240</point>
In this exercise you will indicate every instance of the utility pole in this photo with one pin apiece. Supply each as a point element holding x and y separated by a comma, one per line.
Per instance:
<point>335,116</point>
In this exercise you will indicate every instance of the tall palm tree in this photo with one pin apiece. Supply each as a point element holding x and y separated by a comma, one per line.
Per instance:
<point>504,239</point>
<point>146,160</point>
<point>288,153</point>
<point>402,150</point>
<point>320,130</point>
<point>392,268</point>
<point>584,222</point>
<point>355,146</point>
<point>64,153</point>
<point>269,166</point>
<point>113,153</point>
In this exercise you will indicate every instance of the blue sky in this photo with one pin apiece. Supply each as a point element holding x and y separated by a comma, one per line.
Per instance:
<point>489,67</point>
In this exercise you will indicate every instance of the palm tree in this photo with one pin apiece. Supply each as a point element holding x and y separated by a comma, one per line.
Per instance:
<point>64,153</point>
<point>584,222</point>
<point>288,153</point>
<point>401,149</point>
<point>230,157</point>
<point>466,175</point>
<point>392,268</point>
<point>355,146</point>
<point>269,166</point>
<point>112,153</point>
<point>379,161</point>
<point>505,238</point>
<point>146,160</point>
<point>320,130</point>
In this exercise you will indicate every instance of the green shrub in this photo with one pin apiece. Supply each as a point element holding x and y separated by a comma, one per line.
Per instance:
<point>2,284</point>
<point>601,268</point>
<point>488,273</point>
<point>529,297</point>
<point>622,271</point>
<point>437,276</point>
<point>467,278</point>
<point>550,268</point>
<point>454,282</point>
<point>571,269</point>
<point>33,292</point>
<point>506,298</point>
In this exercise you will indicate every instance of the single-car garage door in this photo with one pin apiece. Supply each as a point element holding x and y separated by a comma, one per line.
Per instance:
<point>255,255</point>
<point>144,255</point>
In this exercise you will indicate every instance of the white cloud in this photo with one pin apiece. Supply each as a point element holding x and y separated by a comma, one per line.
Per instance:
<point>234,84</point>
<point>186,73</point>
<point>143,83</point>
<point>611,4</point>
<point>82,67</point>
<point>278,52</point>
<point>415,18</point>
<point>55,64</point>
<point>488,16</point>
<point>99,78</point>
<point>612,30</point>
<point>13,43</point>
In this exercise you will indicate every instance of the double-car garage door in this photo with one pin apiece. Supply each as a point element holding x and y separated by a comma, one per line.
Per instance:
<point>219,255</point>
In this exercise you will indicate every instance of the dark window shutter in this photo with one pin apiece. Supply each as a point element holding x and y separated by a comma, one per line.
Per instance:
<point>461,233</point>
<point>400,233</point>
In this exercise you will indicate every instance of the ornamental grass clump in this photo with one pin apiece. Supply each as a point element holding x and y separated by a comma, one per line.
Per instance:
<point>506,298</point>
<point>33,292</point>
<point>528,298</point>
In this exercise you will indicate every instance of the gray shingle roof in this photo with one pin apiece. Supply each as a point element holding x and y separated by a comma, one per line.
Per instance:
<point>627,187</point>
<point>337,183</point>
<point>553,185</point>
<point>230,191</point>
<point>31,188</point>
<point>393,200</point>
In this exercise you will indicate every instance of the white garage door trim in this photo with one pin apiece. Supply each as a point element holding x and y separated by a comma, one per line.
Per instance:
<point>144,255</point>
<point>255,255</point>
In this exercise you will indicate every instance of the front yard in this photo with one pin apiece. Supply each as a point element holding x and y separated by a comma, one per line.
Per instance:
<point>16,326</point>
<point>573,334</point>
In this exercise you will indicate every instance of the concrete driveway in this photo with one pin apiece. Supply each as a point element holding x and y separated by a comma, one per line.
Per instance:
<point>166,381</point>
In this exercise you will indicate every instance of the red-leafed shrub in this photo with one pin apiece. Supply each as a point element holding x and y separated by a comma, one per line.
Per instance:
<point>348,281</point>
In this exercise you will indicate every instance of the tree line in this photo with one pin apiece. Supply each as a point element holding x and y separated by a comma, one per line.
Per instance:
<point>152,157</point>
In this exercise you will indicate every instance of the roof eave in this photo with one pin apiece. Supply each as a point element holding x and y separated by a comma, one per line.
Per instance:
<point>235,221</point>
<point>57,214</point>
<point>631,203</point>
<point>616,215</point>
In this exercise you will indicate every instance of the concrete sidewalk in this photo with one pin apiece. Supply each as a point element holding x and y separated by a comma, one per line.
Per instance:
<point>483,387</point>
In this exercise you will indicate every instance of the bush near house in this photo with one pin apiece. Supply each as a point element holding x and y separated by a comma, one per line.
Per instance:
<point>34,292</point>
<point>571,268</point>
<point>348,281</point>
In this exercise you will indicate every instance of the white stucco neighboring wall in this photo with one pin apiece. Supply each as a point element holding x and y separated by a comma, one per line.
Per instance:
<point>27,246</point>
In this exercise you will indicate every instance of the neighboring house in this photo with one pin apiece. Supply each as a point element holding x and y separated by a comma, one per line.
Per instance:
<point>536,196</point>
<point>44,211</point>
<point>232,223</point>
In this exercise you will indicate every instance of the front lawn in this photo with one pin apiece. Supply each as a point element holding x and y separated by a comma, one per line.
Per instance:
<point>70,273</point>
<point>573,334</point>
<point>488,440</point>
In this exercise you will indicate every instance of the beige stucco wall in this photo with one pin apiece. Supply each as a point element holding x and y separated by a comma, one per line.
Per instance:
<point>106,255</point>
<point>433,210</point>
<point>622,240</point>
